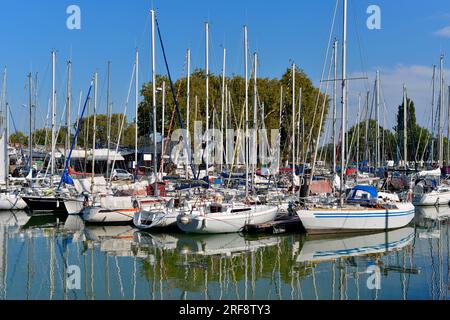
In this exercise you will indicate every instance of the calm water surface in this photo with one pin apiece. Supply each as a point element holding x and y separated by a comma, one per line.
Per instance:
<point>118,262</point>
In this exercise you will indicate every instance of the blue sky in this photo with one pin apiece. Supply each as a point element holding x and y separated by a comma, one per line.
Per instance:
<point>404,49</point>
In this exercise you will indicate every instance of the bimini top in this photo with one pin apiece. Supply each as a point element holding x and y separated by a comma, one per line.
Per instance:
<point>363,194</point>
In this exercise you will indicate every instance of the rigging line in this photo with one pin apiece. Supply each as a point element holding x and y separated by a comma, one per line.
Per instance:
<point>120,133</point>
<point>320,85</point>
<point>175,100</point>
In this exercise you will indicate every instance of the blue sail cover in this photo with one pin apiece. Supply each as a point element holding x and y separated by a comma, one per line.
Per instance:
<point>367,195</point>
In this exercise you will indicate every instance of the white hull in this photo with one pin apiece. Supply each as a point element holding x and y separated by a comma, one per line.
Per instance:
<point>145,220</point>
<point>433,198</point>
<point>331,249</point>
<point>74,206</point>
<point>355,218</point>
<point>224,222</point>
<point>11,202</point>
<point>102,215</point>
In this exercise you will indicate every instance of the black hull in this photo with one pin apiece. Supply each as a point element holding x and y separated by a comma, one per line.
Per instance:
<point>46,205</point>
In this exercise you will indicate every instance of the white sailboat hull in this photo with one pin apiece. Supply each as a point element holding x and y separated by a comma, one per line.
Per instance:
<point>225,222</point>
<point>145,220</point>
<point>102,215</point>
<point>348,219</point>
<point>74,206</point>
<point>432,198</point>
<point>11,202</point>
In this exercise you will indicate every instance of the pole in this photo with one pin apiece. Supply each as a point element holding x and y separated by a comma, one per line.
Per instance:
<point>293,128</point>
<point>255,120</point>
<point>405,127</point>
<point>335,49</point>
<point>162,124</point>
<point>246,109</point>
<point>378,120</point>
<point>136,131</point>
<point>344,100</point>
<point>433,102</point>
<point>53,116</point>
<point>223,105</point>
<point>30,137</point>
<point>109,116</point>
<point>155,159</point>
<point>207,94</point>
<point>94,125</point>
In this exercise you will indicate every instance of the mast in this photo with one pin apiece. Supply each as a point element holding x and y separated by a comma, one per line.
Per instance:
<point>293,128</point>
<point>246,109</point>
<point>344,99</point>
<point>207,94</point>
<point>30,136</point>
<point>108,116</point>
<point>335,50</point>
<point>136,131</point>
<point>5,135</point>
<point>377,139</point>
<point>433,102</point>
<point>448,128</point>
<point>68,108</point>
<point>94,125</point>
<point>188,90</point>
<point>255,120</point>
<point>223,105</point>
<point>280,114</point>
<point>441,112</point>
<point>357,136</point>
<point>188,104</point>
<point>155,160</point>
<point>53,115</point>
<point>162,125</point>
<point>405,127</point>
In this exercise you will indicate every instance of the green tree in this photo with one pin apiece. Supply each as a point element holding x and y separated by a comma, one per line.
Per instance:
<point>418,137</point>
<point>19,137</point>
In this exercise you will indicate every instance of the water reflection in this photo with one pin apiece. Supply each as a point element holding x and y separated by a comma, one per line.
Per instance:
<point>119,262</point>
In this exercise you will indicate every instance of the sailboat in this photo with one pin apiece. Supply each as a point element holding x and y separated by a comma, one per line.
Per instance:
<point>366,210</point>
<point>428,189</point>
<point>9,199</point>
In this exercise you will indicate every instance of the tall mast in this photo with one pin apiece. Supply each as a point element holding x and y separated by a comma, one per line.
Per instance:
<point>357,136</point>
<point>246,109</point>
<point>255,120</point>
<point>405,127</point>
<point>433,102</point>
<point>293,128</point>
<point>108,116</point>
<point>377,139</point>
<point>448,128</point>
<point>162,125</point>
<point>30,137</point>
<point>344,99</point>
<point>188,90</point>
<point>68,108</point>
<point>94,125</point>
<point>335,50</point>
<point>280,114</point>
<point>441,112</point>
<point>136,131</point>
<point>53,115</point>
<point>223,104</point>
<point>207,93</point>
<point>188,104</point>
<point>155,160</point>
<point>5,135</point>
